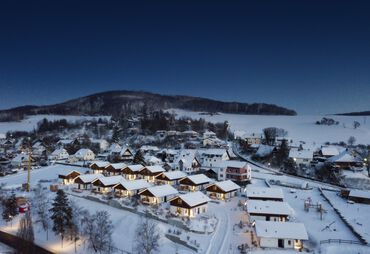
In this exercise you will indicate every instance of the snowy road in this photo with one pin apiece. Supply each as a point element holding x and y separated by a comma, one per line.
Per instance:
<point>221,237</point>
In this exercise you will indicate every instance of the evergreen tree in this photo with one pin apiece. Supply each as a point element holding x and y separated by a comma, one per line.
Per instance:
<point>10,208</point>
<point>282,153</point>
<point>25,232</point>
<point>61,214</point>
<point>139,157</point>
<point>115,135</point>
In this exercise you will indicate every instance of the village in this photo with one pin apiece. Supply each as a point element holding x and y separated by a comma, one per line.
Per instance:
<point>207,193</point>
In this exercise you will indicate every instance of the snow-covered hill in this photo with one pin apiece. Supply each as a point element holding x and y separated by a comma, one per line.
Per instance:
<point>300,127</point>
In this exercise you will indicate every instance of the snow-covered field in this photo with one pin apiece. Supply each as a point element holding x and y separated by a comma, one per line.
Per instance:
<point>300,127</point>
<point>30,123</point>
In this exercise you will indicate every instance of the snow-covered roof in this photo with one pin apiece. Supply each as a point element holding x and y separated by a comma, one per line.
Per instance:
<point>359,194</point>
<point>174,175</point>
<point>100,164</point>
<point>264,192</point>
<point>135,184</point>
<point>209,133</point>
<point>155,169</point>
<point>162,190</point>
<point>194,198</point>
<point>268,207</point>
<point>117,165</point>
<point>115,148</point>
<point>231,164</point>
<point>214,151</point>
<point>111,180</point>
<point>227,185</point>
<point>59,151</point>
<point>264,150</point>
<point>88,178</point>
<point>149,148</point>
<point>329,150</point>
<point>82,152</point>
<point>343,157</point>
<point>186,156</point>
<point>281,230</point>
<point>152,159</point>
<point>199,179</point>
<point>300,154</point>
<point>135,167</point>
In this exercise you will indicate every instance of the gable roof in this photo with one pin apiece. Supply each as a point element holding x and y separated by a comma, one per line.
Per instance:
<point>264,192</point>
<point>110,180</point>
<point>199,179</point>
<point>174,175</point>
<point>161,190</point>
<point>134,185</point>
<point>343,157</point>
<point>88,178</point>
<point>301,154</point>
<point>155,169</point>
<point>285,230</point>
<point>227,185</point>
<point>268,207</point>
<point>329,150</point>
<point>194,198</point>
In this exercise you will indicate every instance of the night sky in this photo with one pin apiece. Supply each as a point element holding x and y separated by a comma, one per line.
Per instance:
<point>310,56</point>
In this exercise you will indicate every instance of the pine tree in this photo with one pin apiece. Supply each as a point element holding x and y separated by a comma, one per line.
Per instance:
<point>61,214</point>
<point>10,208</point>
<point>139,157</point>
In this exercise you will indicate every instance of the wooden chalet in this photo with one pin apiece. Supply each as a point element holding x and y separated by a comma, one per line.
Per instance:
<point>194,182</point>
<point>69,177</point>
<point>99,167</point>
<point>157,194</point>
<point>131,172</point>
<point>189,205</point>
<point>222,190</point>
<point>85,181</point>
<point>170,178</point>
<point>106,184</point>
<point>149,173</point>
<point>130,188</point>
<point>115,168</point>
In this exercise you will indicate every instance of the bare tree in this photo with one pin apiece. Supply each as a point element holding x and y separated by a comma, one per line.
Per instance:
<point>270,135</point>
<point>42,206</point>
<point>98,231</point>
<point>351,140</point>
<point>25,231</point>
<point>356,124</point>
<point>147,237</point>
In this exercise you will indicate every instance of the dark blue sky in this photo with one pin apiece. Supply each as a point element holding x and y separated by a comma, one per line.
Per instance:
<point>311,56</point>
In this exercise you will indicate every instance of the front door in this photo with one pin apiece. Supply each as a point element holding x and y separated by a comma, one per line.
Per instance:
<point>281,243</point>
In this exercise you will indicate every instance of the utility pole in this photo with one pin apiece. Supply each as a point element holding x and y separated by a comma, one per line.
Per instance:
<point>29,169</point>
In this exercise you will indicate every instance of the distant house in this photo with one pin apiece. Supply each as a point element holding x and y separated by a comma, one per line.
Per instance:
<point>130,172</point>
<point>222,190</point>
<point>85,181</point>
<point>151,160</point>
<point>345,160</point>
<point>268,210</point>
<point>271,234</point>
<point>106,184</point>
<point>157,194</point>
<point>115,168</point>
<point>359,196</point>
<point>22,160</point>
<point>189,205</point>
<point>130,188</point>
<point>38,148</point>
<point>187,161</point>
<point>99,166</point>
<point>194,182</point>
<point>237,171</point>
<point>265,194</point>
<point>69,177</point>
<point>126,154</point>
<point>328,151</point>
<point>301,156</point>
<point>101,143</point>
<point>264,150</point>
<point>209,157</point>
<point>170,178</point>
<point>190,134</point>
<point>149,173</point>
<point>84,154</point>
<point>59,154</point>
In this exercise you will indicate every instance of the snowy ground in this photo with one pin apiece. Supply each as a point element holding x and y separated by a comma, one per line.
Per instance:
<point>300,127</point>
<point>5,249</point>
<point>356,214</point>
<point>30,123</point>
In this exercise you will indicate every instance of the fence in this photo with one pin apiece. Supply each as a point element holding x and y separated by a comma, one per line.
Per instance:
<point>341,241</point>
<point>17,243</point>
